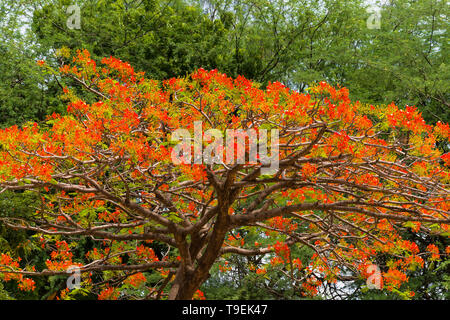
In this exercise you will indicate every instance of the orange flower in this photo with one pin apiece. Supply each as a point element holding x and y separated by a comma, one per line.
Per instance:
<point>434,250</point>
<point>108,293</point>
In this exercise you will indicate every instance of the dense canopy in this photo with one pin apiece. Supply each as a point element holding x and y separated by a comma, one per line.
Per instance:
<point>351,179</point>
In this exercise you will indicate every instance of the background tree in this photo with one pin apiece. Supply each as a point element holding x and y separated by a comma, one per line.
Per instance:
<point>164,38</point>
<point>25,93</point>
<point>406,60</point>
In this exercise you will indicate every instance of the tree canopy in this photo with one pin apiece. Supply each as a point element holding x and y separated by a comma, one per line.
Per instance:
<point>351,179</point>
<point>294,42</point>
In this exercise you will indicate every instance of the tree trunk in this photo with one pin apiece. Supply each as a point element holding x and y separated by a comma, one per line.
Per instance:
<point>189,278</point>
<point>186,284</point>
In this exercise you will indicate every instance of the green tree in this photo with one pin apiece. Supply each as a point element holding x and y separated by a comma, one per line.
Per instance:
<point>406,61</point>
<point>25,93</point>
<point>164,38</point>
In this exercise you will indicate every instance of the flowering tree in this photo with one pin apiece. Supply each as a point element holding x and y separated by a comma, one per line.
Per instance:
<point>350,178</point>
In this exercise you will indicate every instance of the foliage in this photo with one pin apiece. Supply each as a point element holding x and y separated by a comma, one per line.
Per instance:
<point>294,42</point>
<point>162,38</point>
<point>352,178</point>
<point>25,93</point>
